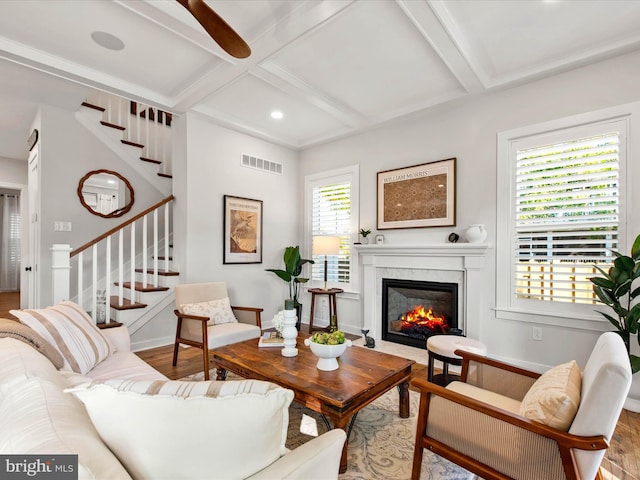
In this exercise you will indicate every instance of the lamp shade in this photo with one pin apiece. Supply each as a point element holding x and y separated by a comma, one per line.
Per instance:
<point>325,245</point>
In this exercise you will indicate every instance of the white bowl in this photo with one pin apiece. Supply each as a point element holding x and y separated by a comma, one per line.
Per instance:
<point>327,354</point>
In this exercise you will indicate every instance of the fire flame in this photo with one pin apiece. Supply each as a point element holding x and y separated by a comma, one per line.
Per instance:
<point>424,318</point>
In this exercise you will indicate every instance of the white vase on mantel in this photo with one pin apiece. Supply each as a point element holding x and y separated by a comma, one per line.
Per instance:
<point>289,334</point>
<point>476,233</point>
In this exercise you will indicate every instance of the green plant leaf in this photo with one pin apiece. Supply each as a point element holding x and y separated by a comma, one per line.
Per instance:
<point>635,363</point>
<point>616,323</point>
<point>632,319</point>
<point>603,282</point>
<point>623,289</point>
<point>604,295</point>
<point>301,280</point>
<point>286,276</point>
<point>625,264</point>
<point>635,249</point>
<point>606,274</point>
<point>292,259</point>
<point>635,292</point>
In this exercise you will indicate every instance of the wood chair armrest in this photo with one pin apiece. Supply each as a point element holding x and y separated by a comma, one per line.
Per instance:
<point>179,314</point>
<point>251,315</point>
<point>468,357</point>
<point>564,439</point>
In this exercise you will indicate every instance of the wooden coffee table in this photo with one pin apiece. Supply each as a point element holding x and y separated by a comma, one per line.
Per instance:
<point>363,376</point>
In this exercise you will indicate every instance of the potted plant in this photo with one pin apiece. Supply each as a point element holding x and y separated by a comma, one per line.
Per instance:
<point>364,232</point>
<point>293,264</point>
<point>615,289</point>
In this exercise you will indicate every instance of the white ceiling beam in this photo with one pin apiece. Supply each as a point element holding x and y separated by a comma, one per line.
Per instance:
<point>433,21</point>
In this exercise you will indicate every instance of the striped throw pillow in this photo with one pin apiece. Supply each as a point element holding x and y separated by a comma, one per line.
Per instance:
<point>70,330</point>
<point>231,428</point>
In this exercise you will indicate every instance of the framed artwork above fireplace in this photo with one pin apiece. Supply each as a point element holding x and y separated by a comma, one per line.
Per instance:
<point>418,196</point>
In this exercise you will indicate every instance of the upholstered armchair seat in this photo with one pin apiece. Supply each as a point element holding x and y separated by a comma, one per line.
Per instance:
<point>479,422</point>
<point>202,331</point>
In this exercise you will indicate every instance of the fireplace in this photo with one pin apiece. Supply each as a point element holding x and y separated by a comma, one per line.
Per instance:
<point>413,310</point>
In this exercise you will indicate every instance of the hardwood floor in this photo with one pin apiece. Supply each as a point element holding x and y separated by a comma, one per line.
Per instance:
<point>622,458</point>
<point>9,301</point>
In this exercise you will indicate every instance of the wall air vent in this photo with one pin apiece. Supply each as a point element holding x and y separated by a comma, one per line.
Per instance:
<point>261,164</point>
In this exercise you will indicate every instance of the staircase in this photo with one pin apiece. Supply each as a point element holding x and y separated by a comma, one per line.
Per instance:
<point>130,265</point>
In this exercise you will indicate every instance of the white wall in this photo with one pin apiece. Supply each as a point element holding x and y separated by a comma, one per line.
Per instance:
<point>467,131</point>
<point>67,152</point>
<point>13,171</point>
<point>207,167</point>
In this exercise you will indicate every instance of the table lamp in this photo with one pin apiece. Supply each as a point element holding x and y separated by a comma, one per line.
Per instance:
<point>325,245</point>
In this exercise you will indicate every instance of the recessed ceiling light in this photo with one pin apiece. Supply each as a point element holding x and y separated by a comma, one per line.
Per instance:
<point>107,40</point>
<point>277,114</point>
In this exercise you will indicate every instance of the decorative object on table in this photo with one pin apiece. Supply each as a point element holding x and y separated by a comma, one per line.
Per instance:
<point>369,342</point>
<point>615,289</point>
<point>379,239</point>
<point>427,193</point>
<point>364,232</point>
<point>101,306</point>
<point>453,237</point>
<point>476,233</point>
<point>327,347</point>
<point>278,318</point>
<point>242,230</point>
<point>289,334</point>
<point>293,264</point>
<point>271,339</point>
<point>326,245</point>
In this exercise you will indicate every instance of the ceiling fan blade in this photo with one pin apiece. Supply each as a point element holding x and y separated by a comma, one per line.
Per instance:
<point>217,28</point>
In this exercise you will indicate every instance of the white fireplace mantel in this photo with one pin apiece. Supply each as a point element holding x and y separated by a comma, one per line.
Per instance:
<point>467,260</point>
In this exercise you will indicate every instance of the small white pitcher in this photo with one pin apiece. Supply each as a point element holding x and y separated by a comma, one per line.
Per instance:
<point>476,233</point>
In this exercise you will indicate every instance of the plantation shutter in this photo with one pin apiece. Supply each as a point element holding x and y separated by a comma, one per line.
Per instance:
<point>332,216</point>
<point>567,216</point>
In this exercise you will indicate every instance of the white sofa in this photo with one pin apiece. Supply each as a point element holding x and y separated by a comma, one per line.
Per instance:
<point>40,413</point>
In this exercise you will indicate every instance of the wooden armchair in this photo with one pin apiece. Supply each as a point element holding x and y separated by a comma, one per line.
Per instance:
<point>476,423</point>
<point>232,324</point>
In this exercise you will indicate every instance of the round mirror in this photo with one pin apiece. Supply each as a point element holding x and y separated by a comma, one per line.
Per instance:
<point>105,193</point>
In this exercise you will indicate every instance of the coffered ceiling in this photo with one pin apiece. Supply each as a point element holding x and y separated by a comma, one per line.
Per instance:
<point>333,67</point>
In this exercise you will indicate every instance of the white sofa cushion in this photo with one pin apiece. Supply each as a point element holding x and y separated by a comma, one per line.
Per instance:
<point>218,311</point>
<point>150,425</point>
<point>68,328</point>
<point>37,417</point>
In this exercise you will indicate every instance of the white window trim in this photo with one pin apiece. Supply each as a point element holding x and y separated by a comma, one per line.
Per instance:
<point>558,314</point>
<point>339,174</point>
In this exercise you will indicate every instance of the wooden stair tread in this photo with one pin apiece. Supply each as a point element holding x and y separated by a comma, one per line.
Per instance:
<point>165,175</point>
<point>133,144</point>
<point>139,288</point>
<point>150,160</point>
<point>91,105</point>
<point>126,304</point>
<point>163,273</point>
<point>112,125</point>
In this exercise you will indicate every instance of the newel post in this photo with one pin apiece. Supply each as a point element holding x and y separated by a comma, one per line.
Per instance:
<point>60,271</point>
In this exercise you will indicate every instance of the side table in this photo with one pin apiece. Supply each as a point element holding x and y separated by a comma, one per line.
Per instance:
<point>331,293</point>
<point>441,347</point>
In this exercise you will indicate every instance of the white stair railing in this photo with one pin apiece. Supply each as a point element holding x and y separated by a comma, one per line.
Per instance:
<point>144,125</point>
<point>92,278</point>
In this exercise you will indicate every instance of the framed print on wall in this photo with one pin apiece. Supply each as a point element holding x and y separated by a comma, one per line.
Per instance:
<point>242,230</point>
<point>418,196</point>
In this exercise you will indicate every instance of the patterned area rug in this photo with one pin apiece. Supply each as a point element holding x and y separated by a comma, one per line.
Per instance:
<point>381,443</point>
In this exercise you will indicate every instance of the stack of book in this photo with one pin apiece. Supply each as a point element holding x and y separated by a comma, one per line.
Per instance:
<point>271,339</point>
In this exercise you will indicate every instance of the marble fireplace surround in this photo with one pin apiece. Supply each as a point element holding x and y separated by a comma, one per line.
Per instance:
<point>461,263</point>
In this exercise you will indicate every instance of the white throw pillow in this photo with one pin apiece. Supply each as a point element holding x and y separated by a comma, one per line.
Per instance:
<point>174,429</point>
<point>71,331</point>
<point>218,311</point>
<point>554,398</point>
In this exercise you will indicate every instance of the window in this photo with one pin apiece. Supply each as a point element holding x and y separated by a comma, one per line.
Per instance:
<point>567,216</point>
<point>332,209</point>
<point>562,194</point>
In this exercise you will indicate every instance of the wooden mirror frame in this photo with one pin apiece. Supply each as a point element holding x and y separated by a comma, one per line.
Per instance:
<point>115,213</point>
